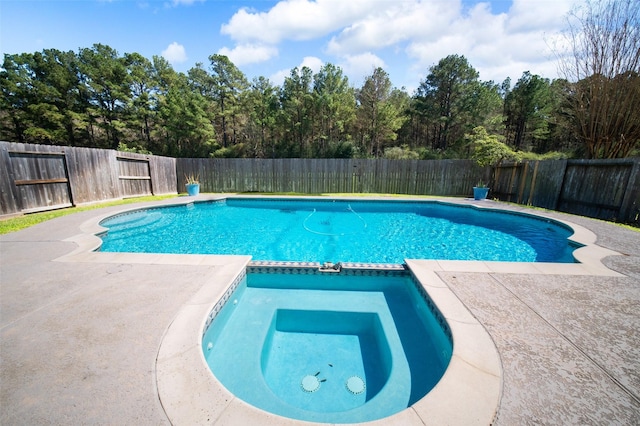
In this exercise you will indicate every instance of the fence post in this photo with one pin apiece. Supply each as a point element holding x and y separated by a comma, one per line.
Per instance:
<point>561,185</point>
<point>630,207</point>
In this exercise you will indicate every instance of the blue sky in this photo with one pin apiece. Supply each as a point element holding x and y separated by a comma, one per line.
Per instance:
<point>500,38</point>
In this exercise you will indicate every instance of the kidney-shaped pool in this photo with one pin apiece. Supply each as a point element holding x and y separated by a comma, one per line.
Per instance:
<point>331,230</point>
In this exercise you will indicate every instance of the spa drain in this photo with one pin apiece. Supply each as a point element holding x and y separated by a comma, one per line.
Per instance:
<point>310,383</point>
<point>355,385</point>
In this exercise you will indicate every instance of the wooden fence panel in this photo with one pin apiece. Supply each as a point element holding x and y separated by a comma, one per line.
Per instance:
<point>595,188</point>
<point>163,174</point>
<point>93,175</point>
<point>313,176</point>
<point>9,200</point>
<point>546,183</point>
<point>630,208</point>
<point>41,179</point>
<point>134,176</point>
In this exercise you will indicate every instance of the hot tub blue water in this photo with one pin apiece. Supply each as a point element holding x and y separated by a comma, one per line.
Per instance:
<point>328,347</point>
<point>323,230</point>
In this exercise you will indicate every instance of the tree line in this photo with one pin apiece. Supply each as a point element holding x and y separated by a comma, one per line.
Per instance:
<point>99,98</point>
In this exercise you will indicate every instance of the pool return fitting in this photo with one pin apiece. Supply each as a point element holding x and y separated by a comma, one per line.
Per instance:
<point>330,267</point>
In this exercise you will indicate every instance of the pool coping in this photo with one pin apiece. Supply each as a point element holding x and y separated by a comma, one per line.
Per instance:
<point>589,256</point>
<point>190,394</point>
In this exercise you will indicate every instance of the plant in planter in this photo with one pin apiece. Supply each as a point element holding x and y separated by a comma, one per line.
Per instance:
<point>480,191</point>
<point>192,184</point>
<point>487,150</point>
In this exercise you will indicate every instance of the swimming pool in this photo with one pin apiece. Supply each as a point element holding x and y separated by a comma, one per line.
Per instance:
<point>316,346</point>
<point>330,230</point>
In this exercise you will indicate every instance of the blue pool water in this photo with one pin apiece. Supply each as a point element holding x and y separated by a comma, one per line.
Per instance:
<point>339,231</point>
<point>328,347</point>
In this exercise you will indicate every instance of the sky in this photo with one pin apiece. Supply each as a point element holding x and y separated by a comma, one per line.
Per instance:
<point>499,38</point>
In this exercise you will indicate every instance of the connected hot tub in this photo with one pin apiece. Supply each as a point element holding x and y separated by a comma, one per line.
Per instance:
<point>329,347</point>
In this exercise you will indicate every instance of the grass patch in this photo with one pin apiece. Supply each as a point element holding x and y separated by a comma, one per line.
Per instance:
<point>21,222</point>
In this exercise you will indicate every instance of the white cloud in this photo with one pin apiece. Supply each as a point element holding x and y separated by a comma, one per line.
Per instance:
<point>498,46</point>
<point>294,20</point>
<point>398,23</point>
<point>411,35</point>
<point>278,77</point>
<point>311,62</point>
<point>536,15</point>
<point>358,67</point>
<point>249,53</point>
<point>175,53</point>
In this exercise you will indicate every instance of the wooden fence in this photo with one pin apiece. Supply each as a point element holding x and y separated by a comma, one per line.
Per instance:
<point>316,176</point>
<point>40,177</point>
<point>44,177</point>
<point>604,189</point>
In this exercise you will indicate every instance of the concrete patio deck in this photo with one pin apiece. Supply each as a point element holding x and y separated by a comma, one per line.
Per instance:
<point>80,340</point>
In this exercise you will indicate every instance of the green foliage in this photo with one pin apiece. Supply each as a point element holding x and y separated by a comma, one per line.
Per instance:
<point>551,155</point>
<point>487,150</point>
<point>451,99</point>
<point>528,108</point>
<point>401,153</point>
<point>380,113</point>
<point>124,148</point>
<point>98,98</point>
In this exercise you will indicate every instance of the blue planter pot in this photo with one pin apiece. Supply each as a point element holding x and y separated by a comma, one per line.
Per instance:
<point>193,189</point>
<point>480,193</point>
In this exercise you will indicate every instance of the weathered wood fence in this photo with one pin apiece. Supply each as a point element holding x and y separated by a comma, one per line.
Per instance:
<point>44,177</point>
<point>316,176</point>
<point>604,189</point>
<point>40,177</point>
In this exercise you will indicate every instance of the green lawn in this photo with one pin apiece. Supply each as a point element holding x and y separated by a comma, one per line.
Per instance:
<point>17,223</point>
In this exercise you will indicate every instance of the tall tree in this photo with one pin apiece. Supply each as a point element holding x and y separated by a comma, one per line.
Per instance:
<point>187,128</point>
<point>40,96</point>
<point>379,114</point>
<point>107,85</point>
<point>527,111</point>
<point>142,101</point>
<point>335,104</point>
<point>264,106</point>
<point>604,65</point>
<point>297,114</point>
<point>230,88</point>
<point>445,99</point>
